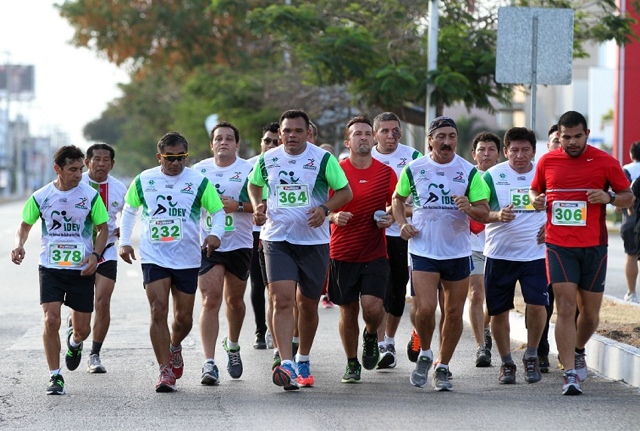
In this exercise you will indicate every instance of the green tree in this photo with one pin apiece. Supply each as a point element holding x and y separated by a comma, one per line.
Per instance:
<point>247,60</point>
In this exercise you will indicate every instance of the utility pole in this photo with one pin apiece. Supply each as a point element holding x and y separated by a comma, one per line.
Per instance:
<point>432,64</point>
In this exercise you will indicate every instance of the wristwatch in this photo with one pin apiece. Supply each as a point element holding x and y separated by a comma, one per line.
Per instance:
<point>240,207</point>
<point>612,197</point>
<point>326,210</point>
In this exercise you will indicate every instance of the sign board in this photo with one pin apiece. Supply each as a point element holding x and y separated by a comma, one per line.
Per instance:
<point>535,46</point>
<point>17,80</point>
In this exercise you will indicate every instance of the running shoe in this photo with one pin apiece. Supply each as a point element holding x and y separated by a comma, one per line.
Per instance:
<point>543,362</point>
<point>326,302</point>
<point>440,380</point>
<point>413,347</point>
<point>234,363</point>
<point>571,384</point>
<point>370,352</point>
<point>74,354</point>
<point>260,343</point>
<point>55,385</point>
<point>305,379</point>
<point>352,373</point>
<point>176,362</point>
<point>285,375</point>
<point>210,375</point>
<point>507,373</point>
<point>531,370</point>
<point>483,357</point>
<point>419,375</point>
<point>631,297</point>
<point>276,360</point>
<point>268,339</point>
<point>581,366</point>
<point>167,380</point>
<point>387,356</point>
<point>94,365</point>
<point>488,342</point>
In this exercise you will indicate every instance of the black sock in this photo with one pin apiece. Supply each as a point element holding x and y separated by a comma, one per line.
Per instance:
<point>95,348</point>
<point>580,351</point>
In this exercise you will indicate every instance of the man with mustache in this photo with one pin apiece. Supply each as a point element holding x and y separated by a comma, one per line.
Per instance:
<point>439,241</point>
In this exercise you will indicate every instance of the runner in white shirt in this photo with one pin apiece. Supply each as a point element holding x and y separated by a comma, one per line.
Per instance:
<point>68,210</point>
<point>226,270</point>
<point>485,150</point>
<point>514,254</point>
<point>172,198</point>
<point>99,162</point>
<point>446,191</point>
<point>296,236</point>
<point>387,131</point>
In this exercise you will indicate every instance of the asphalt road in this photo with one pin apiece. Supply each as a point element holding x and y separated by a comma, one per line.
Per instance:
<point>124,397</point>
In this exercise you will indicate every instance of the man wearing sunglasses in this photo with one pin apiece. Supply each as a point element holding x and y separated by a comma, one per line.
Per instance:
<point>171,197</point>
<point>226,270</point>
<point>296,236</point>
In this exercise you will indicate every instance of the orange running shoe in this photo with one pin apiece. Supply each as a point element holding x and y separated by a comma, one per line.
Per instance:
<point>413,347</point>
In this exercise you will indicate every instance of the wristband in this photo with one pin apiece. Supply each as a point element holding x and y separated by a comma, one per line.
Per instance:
<point>98,257</point>
<point>326,210</point>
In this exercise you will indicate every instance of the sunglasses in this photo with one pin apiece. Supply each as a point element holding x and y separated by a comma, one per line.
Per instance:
<point>173,157</point>
<point>268,141</point>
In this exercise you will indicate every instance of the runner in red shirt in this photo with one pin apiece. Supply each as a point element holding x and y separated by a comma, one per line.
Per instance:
<point>573,186</point>
<point>359,268</point>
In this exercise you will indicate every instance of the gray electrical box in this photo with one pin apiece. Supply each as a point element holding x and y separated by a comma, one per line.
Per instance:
<point>535,46</point>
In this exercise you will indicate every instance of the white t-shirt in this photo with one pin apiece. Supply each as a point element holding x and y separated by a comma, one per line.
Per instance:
<point>171,210</point>
<point>230,181</point>
<point>443,230</point>
<point>516,240</point>
<point>297,184</point>
<point>396,160</point>
<point>68,218</point>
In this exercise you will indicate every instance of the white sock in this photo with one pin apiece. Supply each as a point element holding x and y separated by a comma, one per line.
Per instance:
<point>295,340</point>
<point>210,360</point>
<point>54,372</point>
<point>428,353</point>
<point>232,345</point>
<point>389,340</point>
<point>73,343</point>
<point>174,348</point>
<point>382,344</point>
<point>302,358</point>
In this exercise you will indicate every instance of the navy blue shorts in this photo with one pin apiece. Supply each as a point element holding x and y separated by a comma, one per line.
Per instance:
<point>500,277</point>
<point>449,269</point>
<point>185,280</point>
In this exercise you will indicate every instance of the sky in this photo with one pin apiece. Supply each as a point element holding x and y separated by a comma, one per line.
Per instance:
<point>72,86</point>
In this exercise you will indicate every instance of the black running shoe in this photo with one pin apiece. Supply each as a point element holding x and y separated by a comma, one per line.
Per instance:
<point>55,385</point>
<point>74,354</point>
<point>370,351</point>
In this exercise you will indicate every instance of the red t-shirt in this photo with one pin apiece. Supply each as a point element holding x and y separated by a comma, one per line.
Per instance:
<point>564,180</point>
<point>360,240</point>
